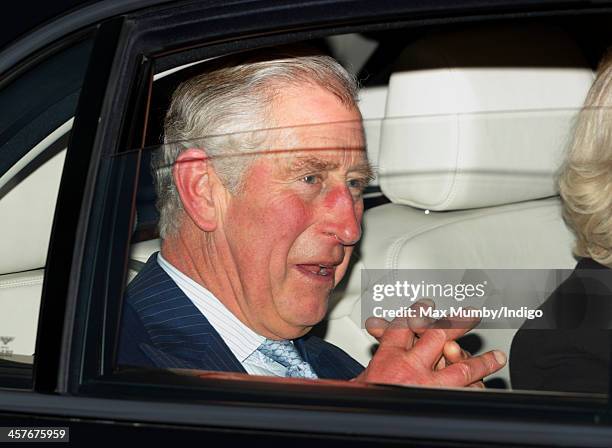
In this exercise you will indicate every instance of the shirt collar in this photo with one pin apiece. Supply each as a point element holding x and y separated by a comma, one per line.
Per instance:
<point>241,340</point>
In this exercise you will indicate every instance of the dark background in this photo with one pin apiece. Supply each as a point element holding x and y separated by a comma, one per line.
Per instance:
<point>25,15</point>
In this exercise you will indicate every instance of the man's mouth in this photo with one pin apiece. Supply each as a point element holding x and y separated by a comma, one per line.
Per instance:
<point>320,271</point>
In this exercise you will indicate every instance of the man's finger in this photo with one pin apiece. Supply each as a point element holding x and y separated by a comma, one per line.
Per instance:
<point>376,326</point>
<point>431,342</point>
<point>453,352</point>
<point>471,370</point>
<point>398,334</point>
<point>428,348</point>
<point>441,364</point>
<point>421,322</point>
<point>454,327</point>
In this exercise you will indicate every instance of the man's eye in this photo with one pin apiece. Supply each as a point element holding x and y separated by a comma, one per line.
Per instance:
<point>310,179</point>
<point>357,184</point>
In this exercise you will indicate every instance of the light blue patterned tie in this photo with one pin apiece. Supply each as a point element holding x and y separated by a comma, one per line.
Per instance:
<point>285,353</point>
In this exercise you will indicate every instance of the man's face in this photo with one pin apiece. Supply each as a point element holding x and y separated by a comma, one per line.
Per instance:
<point>290,231</point>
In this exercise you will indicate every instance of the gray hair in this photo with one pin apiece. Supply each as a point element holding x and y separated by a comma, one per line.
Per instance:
<point>214,109</point>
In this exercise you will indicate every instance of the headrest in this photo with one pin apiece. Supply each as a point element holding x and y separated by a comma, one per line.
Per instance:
<point>372,103</point>
<point>480,118</point>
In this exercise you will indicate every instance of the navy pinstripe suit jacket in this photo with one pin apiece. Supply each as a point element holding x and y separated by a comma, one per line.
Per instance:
<point>161,327</point>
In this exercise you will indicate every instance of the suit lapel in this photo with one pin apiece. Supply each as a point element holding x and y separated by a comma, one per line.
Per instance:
<point>312,354</point>
<point>181,336</point>
<point>328,361</point>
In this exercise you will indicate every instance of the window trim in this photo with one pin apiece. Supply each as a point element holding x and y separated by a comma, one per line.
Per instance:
<point>418,427</point>
<point>32,151</point>
<point>56,318</point>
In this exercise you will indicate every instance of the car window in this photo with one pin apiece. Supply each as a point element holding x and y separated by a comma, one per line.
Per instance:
<point>38,105</point>
<point>463,196</point>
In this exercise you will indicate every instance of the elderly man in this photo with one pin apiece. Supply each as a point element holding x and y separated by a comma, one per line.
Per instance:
<point>258,227</point>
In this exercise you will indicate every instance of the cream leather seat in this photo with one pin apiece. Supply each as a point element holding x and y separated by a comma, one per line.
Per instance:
<point>372,103</point>
<point>475,127</point>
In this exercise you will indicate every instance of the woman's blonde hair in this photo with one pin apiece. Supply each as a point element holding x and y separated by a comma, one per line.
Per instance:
<point>585,179</point>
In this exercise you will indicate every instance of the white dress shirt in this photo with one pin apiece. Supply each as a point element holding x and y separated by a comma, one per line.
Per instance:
<point>241,340</point>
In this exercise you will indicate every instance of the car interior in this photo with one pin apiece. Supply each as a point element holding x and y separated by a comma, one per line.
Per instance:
<point>466,125</point>
<point>474,129</point>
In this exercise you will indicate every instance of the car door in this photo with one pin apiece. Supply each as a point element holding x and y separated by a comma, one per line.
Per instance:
<point>75,376</point>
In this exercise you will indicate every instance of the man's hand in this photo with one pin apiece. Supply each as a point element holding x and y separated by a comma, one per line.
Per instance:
<point>423,352</point>
<point>452,352</point>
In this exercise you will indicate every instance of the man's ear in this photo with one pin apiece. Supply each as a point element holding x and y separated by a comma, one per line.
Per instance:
<point>193,174</point>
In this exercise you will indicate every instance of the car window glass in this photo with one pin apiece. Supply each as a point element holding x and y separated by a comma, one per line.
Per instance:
<point>38,107</point>
<point>463,209</point>
<point>508,295</point>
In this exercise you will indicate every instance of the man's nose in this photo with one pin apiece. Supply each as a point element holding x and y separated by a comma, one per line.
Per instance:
<point>343,219</point>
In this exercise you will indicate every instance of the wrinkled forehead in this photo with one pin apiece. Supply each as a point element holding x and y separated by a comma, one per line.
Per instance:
<point>323,135</point>
<point>322,146</point>
<point>341,143</point>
